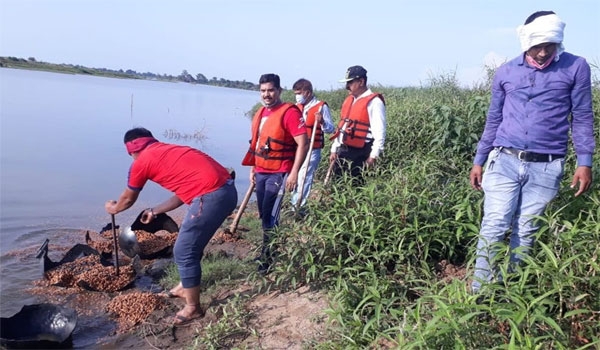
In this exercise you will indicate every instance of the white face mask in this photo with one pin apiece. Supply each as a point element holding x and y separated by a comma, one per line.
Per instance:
<point>300,98</point>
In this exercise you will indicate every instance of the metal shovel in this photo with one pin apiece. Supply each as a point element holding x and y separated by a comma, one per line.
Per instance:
<point>129,243</point>
<point>128,240</point>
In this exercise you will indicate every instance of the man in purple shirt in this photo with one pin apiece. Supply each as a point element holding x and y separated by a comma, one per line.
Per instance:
<point>525,140</point>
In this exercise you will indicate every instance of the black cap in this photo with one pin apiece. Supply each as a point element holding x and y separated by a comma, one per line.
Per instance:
<point>354,72</point>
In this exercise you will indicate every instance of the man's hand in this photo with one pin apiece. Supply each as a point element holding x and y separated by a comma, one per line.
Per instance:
<point>475,177</point>
<point>332,157</point>
<point>370,162</point>
<point>583,176</point>
<point>252,176</point>
<point>291,182</point>
<point>318,118</point>
<point>126,200</point>
<point>111,207</point>
<point>147,216</point>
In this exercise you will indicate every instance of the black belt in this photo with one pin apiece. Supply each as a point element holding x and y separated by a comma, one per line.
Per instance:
<point>530,156</point>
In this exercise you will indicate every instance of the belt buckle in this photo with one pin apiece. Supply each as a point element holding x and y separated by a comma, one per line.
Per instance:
<point>521,155</point>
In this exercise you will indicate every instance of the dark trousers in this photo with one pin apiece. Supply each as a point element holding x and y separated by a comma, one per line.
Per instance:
<point>352,160</point>
<point>205,214</point>
<point>268,201</point>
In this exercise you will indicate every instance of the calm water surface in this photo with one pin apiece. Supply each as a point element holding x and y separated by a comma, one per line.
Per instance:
<point>62,156</point>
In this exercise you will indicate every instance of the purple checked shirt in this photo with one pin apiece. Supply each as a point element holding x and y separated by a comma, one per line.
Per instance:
<point>529,109</point>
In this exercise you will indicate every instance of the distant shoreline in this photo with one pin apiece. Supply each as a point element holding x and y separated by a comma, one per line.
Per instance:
<point>32,64</point>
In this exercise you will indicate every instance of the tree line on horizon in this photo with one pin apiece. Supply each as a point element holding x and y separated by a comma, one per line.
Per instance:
<point>185,76</point>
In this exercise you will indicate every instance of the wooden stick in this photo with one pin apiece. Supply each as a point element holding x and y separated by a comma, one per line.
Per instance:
<point>116,248</point>
<point>238,215</point>
<point>307,162</point>
<point>328,175</point>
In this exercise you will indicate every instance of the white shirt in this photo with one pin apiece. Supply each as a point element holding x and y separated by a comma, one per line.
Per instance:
<point>327,125</point>
<point>376,110</point>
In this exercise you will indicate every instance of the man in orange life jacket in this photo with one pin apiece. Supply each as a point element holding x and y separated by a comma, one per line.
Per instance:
<point>277,148</point>
<point>317,118</point>
<point>361,131</point>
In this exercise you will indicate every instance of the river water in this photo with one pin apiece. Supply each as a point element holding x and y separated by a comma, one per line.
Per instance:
<point>62,156</point>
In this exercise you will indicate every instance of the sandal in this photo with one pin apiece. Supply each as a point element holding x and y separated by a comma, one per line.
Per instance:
<point>168,294</point>
<point>179,321</point>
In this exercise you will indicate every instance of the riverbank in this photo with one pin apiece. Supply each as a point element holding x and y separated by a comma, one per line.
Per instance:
<point>393,258</point>
<point>242,308</point>
<point>32,64</point>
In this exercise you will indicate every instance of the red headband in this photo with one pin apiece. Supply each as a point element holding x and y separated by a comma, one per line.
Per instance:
<point>139,144</point>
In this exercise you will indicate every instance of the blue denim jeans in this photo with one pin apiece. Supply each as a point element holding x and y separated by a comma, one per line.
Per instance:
<point>204,216</point>
<point>515,192</point>
<point>269,195</point>
<point>308,170</point>
<point>268,198</point>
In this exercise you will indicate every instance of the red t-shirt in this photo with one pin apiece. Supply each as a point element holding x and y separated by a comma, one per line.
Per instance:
<point>183,170</point>
<point>293,124</point>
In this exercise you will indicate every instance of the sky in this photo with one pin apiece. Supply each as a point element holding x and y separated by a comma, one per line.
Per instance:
<point>399,42</point>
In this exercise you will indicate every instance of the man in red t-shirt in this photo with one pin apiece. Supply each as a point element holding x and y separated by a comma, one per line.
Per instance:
<point>277,148</point>
<point>195,179</point>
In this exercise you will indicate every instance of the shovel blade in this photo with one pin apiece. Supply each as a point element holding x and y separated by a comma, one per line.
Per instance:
<point>128,243</point>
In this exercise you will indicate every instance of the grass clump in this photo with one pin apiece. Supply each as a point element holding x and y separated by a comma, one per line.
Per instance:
<point>379,250</point>
<point>230,329</point>
<point>376,248</point>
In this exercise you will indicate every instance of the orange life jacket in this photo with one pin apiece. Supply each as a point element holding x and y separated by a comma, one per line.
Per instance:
<point>309,122</point>
<point>354,123</point>
<point>268,148</point>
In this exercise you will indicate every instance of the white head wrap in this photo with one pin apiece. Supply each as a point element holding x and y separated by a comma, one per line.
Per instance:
<point>544,29</point>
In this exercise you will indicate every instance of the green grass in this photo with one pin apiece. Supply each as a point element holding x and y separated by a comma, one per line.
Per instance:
<point>374,249</point>
<point>232,327</point>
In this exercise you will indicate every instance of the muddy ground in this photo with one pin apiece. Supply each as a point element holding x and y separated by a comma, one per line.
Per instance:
<point>275,320</point>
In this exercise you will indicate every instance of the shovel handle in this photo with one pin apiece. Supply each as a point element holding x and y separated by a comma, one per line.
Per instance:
<point>241,209</point>
<point>305,164</point>
<point>115,244</point>
<point>328,175</point>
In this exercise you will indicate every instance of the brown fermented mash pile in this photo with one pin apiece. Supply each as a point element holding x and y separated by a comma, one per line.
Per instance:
<point>90,271</point>
<point>222,236</point>
<point>152,243</point>
<point>102,246</point>
<point>133,308</point>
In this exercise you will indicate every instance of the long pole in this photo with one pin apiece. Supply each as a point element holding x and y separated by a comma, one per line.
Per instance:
<point>331,164</point>
<point>238,215</point>
<point>116,246</point>
<point>305,166</point>
<point>328,175</point>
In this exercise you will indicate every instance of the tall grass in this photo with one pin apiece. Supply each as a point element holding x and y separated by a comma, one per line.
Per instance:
<point>376,247</point>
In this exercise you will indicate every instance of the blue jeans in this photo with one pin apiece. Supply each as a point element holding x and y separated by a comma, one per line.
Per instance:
<point>204,216</point>
<point>312,164</point>
<point>268,201</point>
<point>515,192</point>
